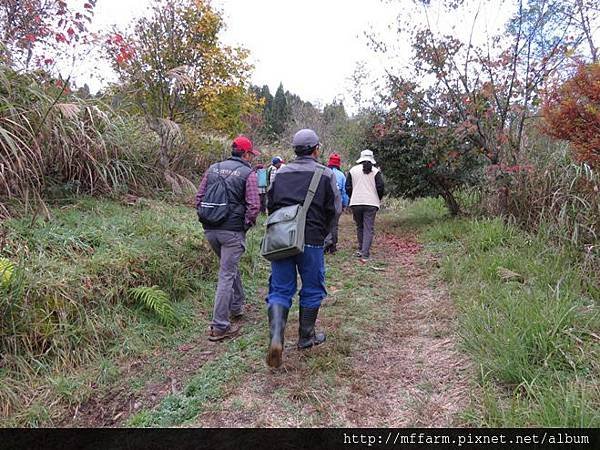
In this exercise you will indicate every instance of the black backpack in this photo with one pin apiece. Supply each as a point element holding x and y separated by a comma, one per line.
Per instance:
<point>214,207</point>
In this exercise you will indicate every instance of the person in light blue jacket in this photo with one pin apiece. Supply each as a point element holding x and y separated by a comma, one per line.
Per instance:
<point>332,238</point>
<point>263,183</point>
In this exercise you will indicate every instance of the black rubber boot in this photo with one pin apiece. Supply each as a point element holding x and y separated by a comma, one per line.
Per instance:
<point>278,315</point>
<point>307,337</point>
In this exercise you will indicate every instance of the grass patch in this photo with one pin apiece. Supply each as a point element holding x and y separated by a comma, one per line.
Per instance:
<point>68,304</point>
<point>534,334</point>
<point>208,385</point>
<point>215,378</point>
<point>406,214</point>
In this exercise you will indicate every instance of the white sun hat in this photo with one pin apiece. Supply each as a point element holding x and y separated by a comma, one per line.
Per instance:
<point>366,155</point>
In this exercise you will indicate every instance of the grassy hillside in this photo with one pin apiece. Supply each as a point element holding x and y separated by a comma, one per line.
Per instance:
<point>68,302</point>
<point>529,318</point>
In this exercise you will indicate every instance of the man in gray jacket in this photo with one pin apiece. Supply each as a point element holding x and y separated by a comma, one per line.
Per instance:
<point>228,239</point>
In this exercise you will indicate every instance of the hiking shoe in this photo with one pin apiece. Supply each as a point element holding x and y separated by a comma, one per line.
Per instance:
<point>218,335</point>
<point>364,260</point>
<point>358,254</point>
<point>236,315</point>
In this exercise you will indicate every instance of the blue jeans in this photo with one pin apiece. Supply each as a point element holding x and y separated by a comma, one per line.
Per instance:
<point>283,280</point>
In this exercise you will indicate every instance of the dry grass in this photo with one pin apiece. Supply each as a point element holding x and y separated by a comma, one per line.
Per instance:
<point>56,144</point>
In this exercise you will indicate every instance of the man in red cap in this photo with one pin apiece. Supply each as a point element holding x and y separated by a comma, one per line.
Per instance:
<point>236,182</point>
<point>334,164</point>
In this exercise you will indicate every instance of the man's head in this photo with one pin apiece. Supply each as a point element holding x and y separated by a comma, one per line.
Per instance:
<point>306,143</point>
<point>277,161</point>
<point>242,147</point>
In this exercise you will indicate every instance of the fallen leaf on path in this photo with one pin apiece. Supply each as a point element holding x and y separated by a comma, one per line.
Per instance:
<point>185,347</point>
<point>508,275</point>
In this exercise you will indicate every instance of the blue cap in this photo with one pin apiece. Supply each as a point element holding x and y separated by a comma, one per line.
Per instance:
<point>305,138</point>
<point>276,160</point>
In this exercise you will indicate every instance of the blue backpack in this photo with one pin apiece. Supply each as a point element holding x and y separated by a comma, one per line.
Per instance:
<point>261,175</point>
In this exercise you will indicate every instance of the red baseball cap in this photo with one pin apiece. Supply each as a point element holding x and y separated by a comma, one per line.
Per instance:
<point>334,160</point>
<point>244,144</point>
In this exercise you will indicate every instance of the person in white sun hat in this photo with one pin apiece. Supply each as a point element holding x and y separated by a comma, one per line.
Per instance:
<point>365,187</point>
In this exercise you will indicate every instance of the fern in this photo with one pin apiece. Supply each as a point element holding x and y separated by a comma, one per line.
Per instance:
<point>6,271</point>
<point>157,301</point>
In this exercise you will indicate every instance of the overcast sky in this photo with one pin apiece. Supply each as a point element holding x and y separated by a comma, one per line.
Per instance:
<point>311,46</point>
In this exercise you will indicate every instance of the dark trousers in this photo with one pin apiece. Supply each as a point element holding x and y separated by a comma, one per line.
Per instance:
<point>364,217</point>
<point>331,239</point>
<point>263,202</point>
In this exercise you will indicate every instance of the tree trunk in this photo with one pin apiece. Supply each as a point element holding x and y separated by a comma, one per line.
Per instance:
<point>163,134</point>
<point>166,140</point>
<point>451,202</point>
<point>164,152</point>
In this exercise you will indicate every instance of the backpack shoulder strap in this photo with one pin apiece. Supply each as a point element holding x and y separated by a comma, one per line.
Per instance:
<point>312,188</point>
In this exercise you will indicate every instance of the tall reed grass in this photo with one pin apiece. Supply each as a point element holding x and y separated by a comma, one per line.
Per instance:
<point>46,135</point>
<point>57,142</point>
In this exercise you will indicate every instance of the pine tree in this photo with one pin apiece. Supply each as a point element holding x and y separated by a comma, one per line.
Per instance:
<point>265,94</point>
<point>280,111</point>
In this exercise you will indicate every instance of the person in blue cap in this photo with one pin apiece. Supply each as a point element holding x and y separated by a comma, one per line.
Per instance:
<point>276,164</point>
<point>263,184</point>
<point>290,187</point>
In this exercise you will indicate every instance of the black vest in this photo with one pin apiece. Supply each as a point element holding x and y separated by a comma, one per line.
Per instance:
<point>235,171</point>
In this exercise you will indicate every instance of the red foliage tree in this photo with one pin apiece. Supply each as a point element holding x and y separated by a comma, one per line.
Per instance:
<point>30,29</point>
<point>572,112</point>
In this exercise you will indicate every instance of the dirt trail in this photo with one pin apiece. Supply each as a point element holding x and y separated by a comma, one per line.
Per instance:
<point>160,374</point>
<point>414,376</point>
<point>397,369</point>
